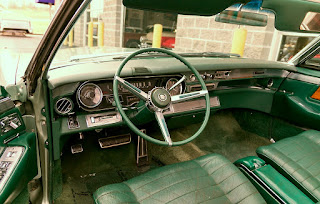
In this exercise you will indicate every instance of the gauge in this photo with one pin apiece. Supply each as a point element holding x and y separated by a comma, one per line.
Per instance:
<point>90,95</point>
<point>176,90</point>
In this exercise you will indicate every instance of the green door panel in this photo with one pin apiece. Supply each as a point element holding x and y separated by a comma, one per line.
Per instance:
<point>25,170</point>
<point>309,72</point>
<point>293,103</point>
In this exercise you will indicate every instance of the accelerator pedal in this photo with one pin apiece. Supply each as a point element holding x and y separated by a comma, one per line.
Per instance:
<point>142,151</point>
<point>113,141</point>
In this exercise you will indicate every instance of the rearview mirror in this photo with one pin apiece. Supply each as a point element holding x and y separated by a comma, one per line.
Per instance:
<point>311,22</point>
<point>242,18</point>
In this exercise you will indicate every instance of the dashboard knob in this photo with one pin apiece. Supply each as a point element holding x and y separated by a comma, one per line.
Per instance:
<point>192,77</point>
<point>13,125</point>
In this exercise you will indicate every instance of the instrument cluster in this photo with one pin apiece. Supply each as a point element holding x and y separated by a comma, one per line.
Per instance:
<point>98,95</point>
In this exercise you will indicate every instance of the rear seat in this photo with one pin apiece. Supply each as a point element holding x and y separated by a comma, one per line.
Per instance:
<point>297,158</point>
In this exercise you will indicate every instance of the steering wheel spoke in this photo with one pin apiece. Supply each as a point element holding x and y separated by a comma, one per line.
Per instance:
<point>178,82</point>
<point>188,96</point>
<point>163,127</point>
<point>134,90</point>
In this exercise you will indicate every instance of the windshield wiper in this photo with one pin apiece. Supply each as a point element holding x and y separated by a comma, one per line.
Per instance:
<point>210,54</point>
<point>81,57</point>
<point>146,54</point>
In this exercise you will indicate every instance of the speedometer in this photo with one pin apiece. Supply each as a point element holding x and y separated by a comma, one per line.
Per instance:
<point>176,90</point>
<point>90,95</point>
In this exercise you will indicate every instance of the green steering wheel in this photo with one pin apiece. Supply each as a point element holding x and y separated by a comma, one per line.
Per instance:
<point>159,99</point>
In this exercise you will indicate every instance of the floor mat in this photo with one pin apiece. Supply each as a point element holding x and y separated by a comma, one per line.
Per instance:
<point>85,172</point>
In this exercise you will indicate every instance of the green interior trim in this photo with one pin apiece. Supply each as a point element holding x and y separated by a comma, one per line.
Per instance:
<point>251,162</point>
<point>21,175</point>
<point>265,194</point>
<point>295,104</point>
<point>283,187</point>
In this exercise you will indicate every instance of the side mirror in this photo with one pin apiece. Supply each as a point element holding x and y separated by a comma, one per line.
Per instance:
<point>242,18</point>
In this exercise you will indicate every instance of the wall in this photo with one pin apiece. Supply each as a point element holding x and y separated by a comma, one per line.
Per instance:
<point>203,34</point>
<point>112,22</point>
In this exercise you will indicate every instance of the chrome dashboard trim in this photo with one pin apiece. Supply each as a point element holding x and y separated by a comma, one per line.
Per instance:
<point>304,78</point>
<point>100,119</point>
<point>192,105</point>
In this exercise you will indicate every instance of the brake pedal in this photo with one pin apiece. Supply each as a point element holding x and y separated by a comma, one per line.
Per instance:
<point>77,148</point>
<point>115,140</point>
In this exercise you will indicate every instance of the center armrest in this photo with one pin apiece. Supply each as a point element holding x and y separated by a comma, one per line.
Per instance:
<point>272,185</point>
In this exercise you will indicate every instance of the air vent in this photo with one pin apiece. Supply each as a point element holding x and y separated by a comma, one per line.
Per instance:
<point>64,106</point>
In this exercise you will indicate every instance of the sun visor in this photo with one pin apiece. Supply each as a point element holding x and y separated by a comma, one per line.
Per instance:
<point>190,7</point>
<point>291,13</point>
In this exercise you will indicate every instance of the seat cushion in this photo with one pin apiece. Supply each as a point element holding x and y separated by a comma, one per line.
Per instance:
<point>298,158</point>
<point>207,179</point>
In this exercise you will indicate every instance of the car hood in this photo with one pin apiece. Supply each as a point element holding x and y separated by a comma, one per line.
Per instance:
<point>67,56</point>
<point>12,66</point>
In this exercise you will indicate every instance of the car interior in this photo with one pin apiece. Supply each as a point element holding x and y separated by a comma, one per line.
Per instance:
<point>158,127</point>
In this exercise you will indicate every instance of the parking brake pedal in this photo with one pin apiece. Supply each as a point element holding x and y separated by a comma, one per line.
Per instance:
<point>77,148</point>
<point>142,151</point>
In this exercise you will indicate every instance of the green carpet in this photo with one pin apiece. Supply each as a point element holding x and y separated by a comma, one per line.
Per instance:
<point>85,172</point>
<point>223,135</point>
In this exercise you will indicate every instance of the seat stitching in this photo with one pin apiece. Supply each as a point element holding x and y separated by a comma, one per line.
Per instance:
<point>213,179</point>
<point>229,192</point>
<point>171,186</point>
<point>177,172</point>
<point>290,175</point>
<point>110,192</point>
<point>131,191</point>
<point>216,184</point>
<point>164,176</point>
<point>295,161</point>
<point>313,163</point>
<point>248,196</point>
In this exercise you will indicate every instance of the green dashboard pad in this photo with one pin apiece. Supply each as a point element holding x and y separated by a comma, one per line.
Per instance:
<point>190,7</point>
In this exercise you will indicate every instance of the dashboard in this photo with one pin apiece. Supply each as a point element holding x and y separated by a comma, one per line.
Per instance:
<point>94,98</point>
<point>83,102</point>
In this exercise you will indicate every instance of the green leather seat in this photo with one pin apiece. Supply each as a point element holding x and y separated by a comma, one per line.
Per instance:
<point>297,158</point>
<point>207,179</point>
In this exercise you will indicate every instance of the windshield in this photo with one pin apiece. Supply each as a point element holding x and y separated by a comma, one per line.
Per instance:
<point>106,30</point>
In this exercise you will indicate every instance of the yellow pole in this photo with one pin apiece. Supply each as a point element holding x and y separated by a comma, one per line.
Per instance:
<point>101,34</point>
<point>65,42</point>
<point>71,38</point>
<point>239,41</point>
<point>157,34</point>
<point>90,34</point>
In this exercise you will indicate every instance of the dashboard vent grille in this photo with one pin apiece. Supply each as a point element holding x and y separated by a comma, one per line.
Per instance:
<point>64,106</point>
